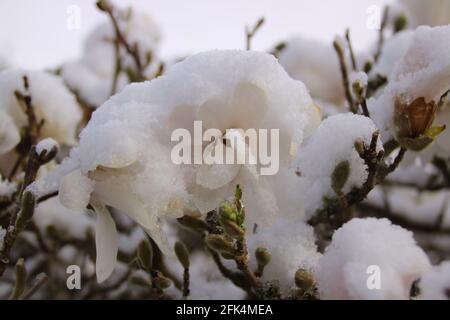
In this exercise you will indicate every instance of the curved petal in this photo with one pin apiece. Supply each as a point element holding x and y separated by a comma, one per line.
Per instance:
<point>75,191</point>
<point>106,242</point>
<point>215,114</point>
<point>9,134</point>
<point>217,175</point>
<point>250,106</point>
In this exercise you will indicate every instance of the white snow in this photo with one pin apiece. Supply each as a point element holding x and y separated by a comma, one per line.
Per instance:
<point>435,285</point>
<point>344,270</point>
<point>291,246</point>
<point>330,145</point>
<point>46,145</point>
<point>316,64</point>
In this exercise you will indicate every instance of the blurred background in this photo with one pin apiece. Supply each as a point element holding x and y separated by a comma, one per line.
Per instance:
<point>40,34</point>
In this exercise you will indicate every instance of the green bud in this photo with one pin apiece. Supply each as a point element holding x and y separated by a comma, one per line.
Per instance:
<point>304,280</point>
<point>226,211</point>
<point>27,210</point>
<point>232,229</point>
<point>145,255</point>
<point>21,279</point>
<point>262,257</point>
<point>220,244</point>
<point>400,22</point>
<point>182,254</point>
<point>161,282</point>
<point>340,176</point>
<point>194,223</point>
<point>227,256</point>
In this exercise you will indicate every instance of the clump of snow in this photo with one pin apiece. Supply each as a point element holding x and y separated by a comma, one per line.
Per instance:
<point>291,246</point>
<point>92,76</point>
<point>47,145</point>
<point>365,248</point>
<point>435,285</point>
<point>67,222</point>
<point>331,144</point>
<point>7,188</point>
<point>316,64</point>
<point>51,100</point>
<point>422,207</point>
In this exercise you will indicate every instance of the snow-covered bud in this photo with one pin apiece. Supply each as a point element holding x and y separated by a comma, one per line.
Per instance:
<point>232,229</point>
<point>47,150</point>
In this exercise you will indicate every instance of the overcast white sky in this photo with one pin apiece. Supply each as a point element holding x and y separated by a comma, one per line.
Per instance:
<point>34,33</point>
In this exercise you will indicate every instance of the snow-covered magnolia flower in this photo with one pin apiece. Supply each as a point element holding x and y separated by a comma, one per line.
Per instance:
<point>407,106</point>
<point>435,285</point>
<point>317,65</point>
<point>52,102</point>
<point>229,90</point>
<point>430,12</point>
<point>332,144</point>
<point>291,246</point>
<point>370,259</point>
<point>92,75</point>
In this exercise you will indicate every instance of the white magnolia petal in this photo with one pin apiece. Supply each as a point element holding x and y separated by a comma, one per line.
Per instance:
<point>217,175</point>
<point>9,134</point>
<point>206,200</point>
<point>75,191</point>
<point>215,114</point>
<point>250,106</point>
<point>155,231</point>
<point>106,241</point>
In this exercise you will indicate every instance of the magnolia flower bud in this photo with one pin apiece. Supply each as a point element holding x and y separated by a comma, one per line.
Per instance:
<point>182,254</point>
<point>161,282</point>
<point>304,280</point>
<point>227,212</point>
<point>220,244</point>
<point>145,255</point>
<point>27,210</point>
<point>412,122</point>
<point>340,176</point>
<point>262,257</point>
<point>232,229</point>
<point>21,278</point>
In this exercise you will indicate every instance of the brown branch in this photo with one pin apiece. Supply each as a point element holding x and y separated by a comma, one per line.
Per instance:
<point>250,33</point>
<point>345,77</point>
<point>381,33</point>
